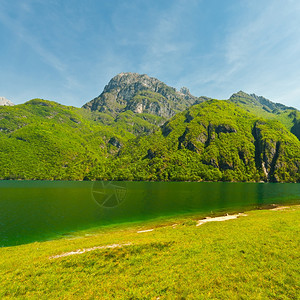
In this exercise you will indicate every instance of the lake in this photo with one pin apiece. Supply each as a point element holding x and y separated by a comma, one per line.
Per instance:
<point>40,210</point>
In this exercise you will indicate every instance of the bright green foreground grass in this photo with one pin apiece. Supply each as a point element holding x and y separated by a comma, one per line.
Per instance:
<point>252,257</point>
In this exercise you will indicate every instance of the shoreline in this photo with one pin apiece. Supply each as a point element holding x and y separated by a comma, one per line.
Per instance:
<point>151,223</point>
<point>207,219</point>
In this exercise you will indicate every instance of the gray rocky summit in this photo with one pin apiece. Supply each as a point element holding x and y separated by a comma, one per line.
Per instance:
<point>5,102</point>
<point>140,93</point>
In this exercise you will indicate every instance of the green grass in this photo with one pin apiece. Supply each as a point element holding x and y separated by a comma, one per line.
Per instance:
<point>253,257</point>
<point>288,116</point>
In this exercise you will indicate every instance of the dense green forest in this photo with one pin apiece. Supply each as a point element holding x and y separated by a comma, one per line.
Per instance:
<point>45,140</point>
<point>212,141</point>
<point>151,132</point>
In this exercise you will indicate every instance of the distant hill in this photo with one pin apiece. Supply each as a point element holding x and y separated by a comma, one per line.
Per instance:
<point>255,102</point>
<point>5,102</point>
<point>262,107</point>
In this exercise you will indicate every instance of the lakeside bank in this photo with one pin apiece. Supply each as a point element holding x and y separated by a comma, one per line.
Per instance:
<point>254,256</point>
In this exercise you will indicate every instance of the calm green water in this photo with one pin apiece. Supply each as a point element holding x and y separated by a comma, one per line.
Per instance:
<point>34,210</point>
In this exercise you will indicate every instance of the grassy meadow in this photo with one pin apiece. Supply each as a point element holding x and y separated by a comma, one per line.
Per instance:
<point>252,257</point>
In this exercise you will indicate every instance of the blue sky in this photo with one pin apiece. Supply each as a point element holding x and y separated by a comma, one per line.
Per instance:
<point>67,51</point>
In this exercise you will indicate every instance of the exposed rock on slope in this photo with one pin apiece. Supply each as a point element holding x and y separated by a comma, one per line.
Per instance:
<point>141,94</point>
<point>5,102</point>
<point>141,129</point>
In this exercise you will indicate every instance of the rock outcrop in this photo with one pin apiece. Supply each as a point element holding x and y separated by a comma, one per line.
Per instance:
<point>5,102</point>
<point>141,94</point>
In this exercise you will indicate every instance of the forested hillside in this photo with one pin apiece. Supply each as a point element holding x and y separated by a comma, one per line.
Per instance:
<point>45,140</point>
<point>141,129</point>
<point>212,141</point>
<point>262,107</point>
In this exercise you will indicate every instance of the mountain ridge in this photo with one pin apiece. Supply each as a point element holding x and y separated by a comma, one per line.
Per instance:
<point>262,107</point>
<point>267,104</point>
<point>142,129</point>
<point>212,141</point>
<point>145,97</point>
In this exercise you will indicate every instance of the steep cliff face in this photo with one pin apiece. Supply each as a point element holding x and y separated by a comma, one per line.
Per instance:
<point>132,100</point>
<point>151,103</point>
<point>141,94</point>
<point>295,129</point>
<point>267,152</point>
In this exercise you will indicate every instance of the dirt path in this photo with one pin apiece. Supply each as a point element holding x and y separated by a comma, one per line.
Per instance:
<point>81,251</point>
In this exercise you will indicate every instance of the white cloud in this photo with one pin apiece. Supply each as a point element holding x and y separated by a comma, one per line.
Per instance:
<point>34,42</point>
<point>251,45</point>
<point>165,48</point>
<point>262,54</point>
<point>259,54</point>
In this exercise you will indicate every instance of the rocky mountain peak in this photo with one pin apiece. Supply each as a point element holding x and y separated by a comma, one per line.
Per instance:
<point>128,84</point>
<point>185,91</point>
<point>129,79</point>
<point>140,93</point>
<point>5,102</point>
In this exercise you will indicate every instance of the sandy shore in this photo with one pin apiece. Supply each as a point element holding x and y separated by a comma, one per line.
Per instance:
<point>199,222</point>
<point>220,219</point>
